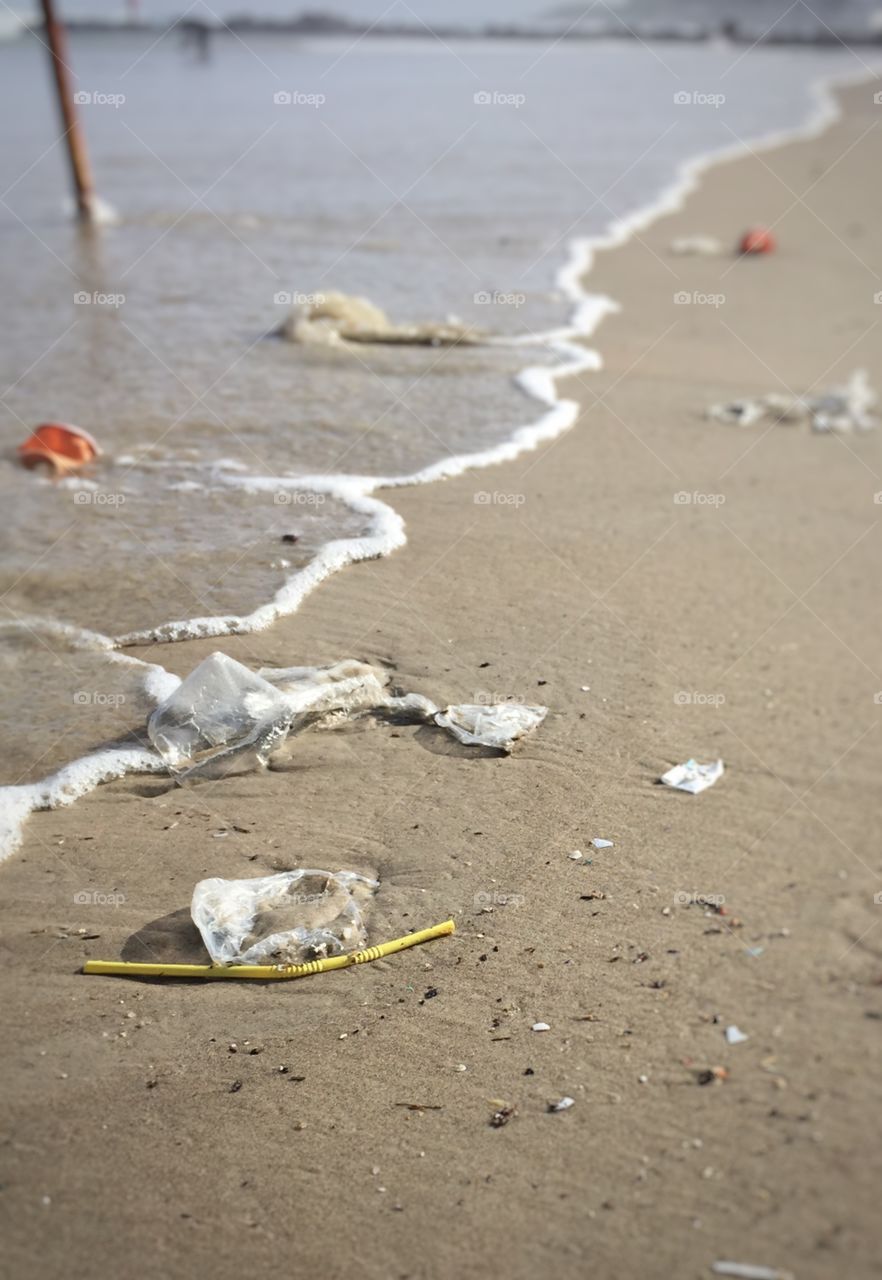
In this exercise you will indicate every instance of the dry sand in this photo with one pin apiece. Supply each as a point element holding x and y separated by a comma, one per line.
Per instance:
<point>126,1150</point>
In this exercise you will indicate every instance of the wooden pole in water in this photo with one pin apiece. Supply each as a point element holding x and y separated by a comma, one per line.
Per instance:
<point>81,172</point>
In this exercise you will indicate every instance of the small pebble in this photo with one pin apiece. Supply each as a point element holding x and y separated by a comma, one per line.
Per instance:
<point>541,1026</point>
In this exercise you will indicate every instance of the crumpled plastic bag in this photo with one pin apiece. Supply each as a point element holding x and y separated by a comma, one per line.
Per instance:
<point>333,318</point>
<point>287,918</point>
<point>845,408</point>
<point>328,694</point>
<point>498,724</point>
<point>693,777</point>
<point>224,717</point>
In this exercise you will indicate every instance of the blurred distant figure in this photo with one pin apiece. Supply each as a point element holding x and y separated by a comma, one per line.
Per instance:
<point>196,35</point>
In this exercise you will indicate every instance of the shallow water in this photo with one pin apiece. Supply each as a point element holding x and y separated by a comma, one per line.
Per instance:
<point>389,174</point>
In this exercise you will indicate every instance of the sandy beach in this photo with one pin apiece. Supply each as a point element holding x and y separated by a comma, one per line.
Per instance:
<point>669,587</point>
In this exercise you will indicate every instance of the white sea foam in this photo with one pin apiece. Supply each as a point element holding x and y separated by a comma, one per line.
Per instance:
<point>385,532</point>
<point>67,785</point>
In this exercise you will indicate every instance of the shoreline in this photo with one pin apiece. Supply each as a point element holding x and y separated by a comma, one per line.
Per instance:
<point>539,383</point>
<point>602,596</point>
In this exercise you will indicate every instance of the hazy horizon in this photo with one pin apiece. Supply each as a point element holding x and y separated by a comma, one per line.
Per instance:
<point>753,13</point>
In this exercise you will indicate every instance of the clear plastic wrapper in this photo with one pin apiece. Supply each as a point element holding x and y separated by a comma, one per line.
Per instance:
<point>498,724</point>
<point>840,409</point>
<point>287,918</point>
<point>693,777</point>
<point>224,717</point>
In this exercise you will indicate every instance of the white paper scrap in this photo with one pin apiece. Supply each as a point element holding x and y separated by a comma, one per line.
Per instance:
<point>693,777</point>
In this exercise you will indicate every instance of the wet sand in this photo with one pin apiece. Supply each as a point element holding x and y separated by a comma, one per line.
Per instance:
<point>745,628</point>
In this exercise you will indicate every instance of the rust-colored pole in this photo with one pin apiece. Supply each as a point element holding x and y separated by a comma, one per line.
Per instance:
<point>81,173</point>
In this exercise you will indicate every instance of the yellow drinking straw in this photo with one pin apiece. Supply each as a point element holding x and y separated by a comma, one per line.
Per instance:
<point>264,972</point>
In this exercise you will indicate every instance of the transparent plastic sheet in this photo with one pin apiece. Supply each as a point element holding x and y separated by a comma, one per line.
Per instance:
<point>841,409</point>
<point>282,919</point>
<point>225,718</point>
<point>331,318</point>
<point>499,724</point>
<point>693,777</point>
<point>328,694</point>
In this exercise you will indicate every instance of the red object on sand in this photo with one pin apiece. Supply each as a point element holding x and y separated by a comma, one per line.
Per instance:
<point>757,240</point>
<point>62,447</point>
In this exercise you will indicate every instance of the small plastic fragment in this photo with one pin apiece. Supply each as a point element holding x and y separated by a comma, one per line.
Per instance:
<point>734,1035</point>
<point>412,708</point>
<point>562,1104</point>
<point>744,413</point>
<point>540,1026</point>
<point>282,919</point>
<point>757,240</point>
<point>498,724</point>
<point>699,245</point>
<point>839,409</point>
<point>602,844</point>
<point>748,1271</point>
<point>693,777</point>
